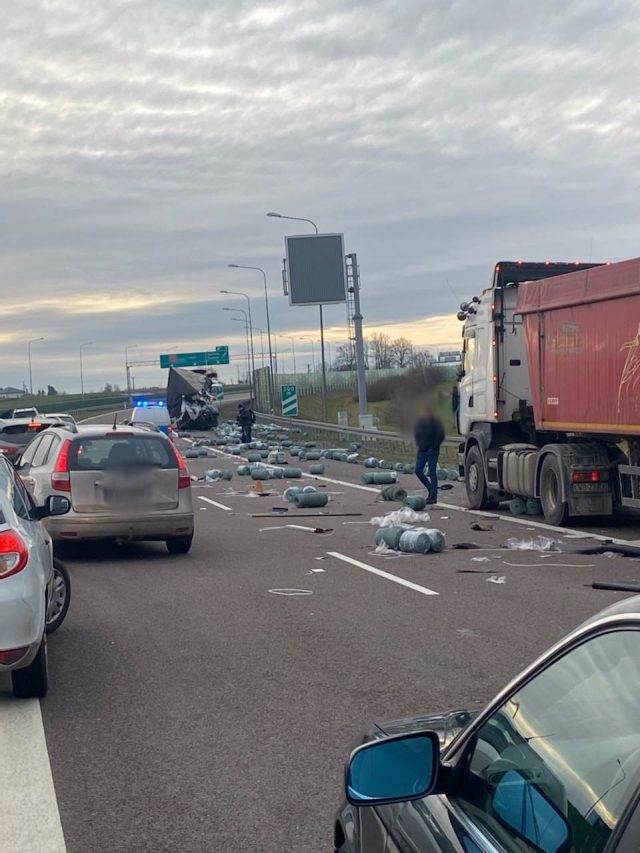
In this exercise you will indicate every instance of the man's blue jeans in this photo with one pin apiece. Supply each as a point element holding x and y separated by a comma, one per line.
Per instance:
<point>428,459</point>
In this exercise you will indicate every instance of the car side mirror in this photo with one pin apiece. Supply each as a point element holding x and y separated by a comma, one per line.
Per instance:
<point>54,505</point>
<point>393,770</point>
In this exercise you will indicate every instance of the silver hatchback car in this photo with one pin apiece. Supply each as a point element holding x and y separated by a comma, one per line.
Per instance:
<point>124,482</point>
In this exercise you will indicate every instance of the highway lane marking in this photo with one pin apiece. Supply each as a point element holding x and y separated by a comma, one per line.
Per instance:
<point>214,503</point>
<point>29,816</point>
<point>526,522</point>
<point>409,584</point>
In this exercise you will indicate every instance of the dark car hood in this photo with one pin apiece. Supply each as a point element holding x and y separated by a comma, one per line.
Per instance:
<point>447,725</point>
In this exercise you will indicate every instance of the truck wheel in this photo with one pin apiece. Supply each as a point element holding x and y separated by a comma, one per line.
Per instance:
<point>475,482</point>
<point>554,509</point>
<point>32,682</point>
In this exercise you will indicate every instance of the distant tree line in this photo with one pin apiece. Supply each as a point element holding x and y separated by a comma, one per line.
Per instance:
<point>381,352</point>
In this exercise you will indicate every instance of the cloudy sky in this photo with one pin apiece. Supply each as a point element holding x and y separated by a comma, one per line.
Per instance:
<point>143,141</point>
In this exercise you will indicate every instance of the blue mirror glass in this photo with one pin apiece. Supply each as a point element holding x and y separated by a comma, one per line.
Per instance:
<point>392,770</point>
<point>524,808</point>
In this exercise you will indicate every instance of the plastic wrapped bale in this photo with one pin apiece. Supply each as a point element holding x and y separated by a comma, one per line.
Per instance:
<point>409,468</point>
<point>415,502</point>
<point>353,458</point>
<point>399,467</point>
<point>441,473</point>
<point>192,453</point>
<point>415,542</point>
<point>308,490</point>
<point>316,469</point>
<point>302,455</point>
<point>244,470</point>
<point>286,442</point>
<point>234,451</point>
<point>312,455</point>
<point>310,444</point>
<point>371,462</point>
<point>341,456</point>
<point>533,506</point>
<point>294,451</point>
<point>293,473</point>
<point>452,474</point>
<point>393,493</point>
<point>202,451</point>
<point>390,536</point>
<point>308,500</point>
<point>277,473</point>
<point>379,478</point>
<point>291,492</point>
<point>517,506</point>
<point>355,445</point>
<point>385,464</point>
<point>254,456</point>
<point>436,538</point>
<point>264,454</point>
<point>213,474</point>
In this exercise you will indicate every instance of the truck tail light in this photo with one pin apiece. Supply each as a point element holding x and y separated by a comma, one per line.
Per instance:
<point>589,476</point>
<point>60,477</point>
<point>184,478</point>
<point>14,554</point>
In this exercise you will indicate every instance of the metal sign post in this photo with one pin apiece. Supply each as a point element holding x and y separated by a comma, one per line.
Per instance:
<point>289,400</point>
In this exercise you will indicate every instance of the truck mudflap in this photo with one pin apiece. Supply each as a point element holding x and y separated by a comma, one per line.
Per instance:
<point>585,481</point>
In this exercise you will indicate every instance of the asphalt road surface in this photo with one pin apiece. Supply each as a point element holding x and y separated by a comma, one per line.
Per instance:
<point>193,708</point>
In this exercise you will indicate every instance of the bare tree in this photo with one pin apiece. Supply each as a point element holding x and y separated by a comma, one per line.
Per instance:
<point>401,351</point>
<point>422,359</point>
<point>381,350</point>
<point>345,357</point>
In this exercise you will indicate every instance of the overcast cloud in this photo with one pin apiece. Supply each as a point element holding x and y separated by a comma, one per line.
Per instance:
<point>142,143</point>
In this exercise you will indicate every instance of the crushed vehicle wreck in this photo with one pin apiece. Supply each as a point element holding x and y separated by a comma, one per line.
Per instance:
<point>191,398</point>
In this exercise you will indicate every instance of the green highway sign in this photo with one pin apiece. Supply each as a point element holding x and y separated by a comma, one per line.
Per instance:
<point>220,355</point>
<point>289,400</point>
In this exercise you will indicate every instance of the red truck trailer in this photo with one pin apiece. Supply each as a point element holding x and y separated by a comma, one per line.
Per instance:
<point>550,392</point>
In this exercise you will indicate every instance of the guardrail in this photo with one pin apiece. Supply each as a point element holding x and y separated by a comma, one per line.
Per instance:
<point>382,441</point>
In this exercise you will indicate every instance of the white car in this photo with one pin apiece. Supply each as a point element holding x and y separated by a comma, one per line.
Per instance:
<point>31,413</point>
<point>34,596</point>
<point>63,417</point>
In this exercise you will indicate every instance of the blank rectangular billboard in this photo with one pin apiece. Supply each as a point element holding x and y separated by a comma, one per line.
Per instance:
<point>315,263</point>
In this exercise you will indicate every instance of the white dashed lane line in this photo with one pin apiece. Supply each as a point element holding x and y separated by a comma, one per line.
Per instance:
<point>386,575</point>
<point>214,503</point>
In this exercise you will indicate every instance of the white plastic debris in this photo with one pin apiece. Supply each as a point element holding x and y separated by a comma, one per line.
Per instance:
<point>540,543</point>
<point>480,559</point>
<point>496,579</point>
<point>400,518</point>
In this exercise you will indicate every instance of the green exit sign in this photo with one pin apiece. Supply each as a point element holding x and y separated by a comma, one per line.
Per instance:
<point>220,355</point>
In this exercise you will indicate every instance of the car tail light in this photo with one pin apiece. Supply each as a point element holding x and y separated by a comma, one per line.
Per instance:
<point>60,478</point>
<point>14,554</point>
<point>184,478</point>
<point>11,656</point>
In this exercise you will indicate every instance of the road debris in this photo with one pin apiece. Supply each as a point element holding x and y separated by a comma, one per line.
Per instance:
<point>501,579</point>
<point>484,528</point>
<point>540,543</point>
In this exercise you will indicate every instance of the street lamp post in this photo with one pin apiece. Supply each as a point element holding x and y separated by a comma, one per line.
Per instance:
<point>240,293</point>
<point>246,329</point>
<point>324,366</point>
<point>261,331</point>
<point>86,344</point>
<point>313,350</point>
<point>127,368</point>
<point>266,305</point>
<point>293,350</point>
<point>32,341</point>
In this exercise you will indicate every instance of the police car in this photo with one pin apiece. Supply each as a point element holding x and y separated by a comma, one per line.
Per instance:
<point>152,412</point>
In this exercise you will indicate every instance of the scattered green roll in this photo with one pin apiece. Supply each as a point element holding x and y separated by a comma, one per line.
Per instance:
<point>517,506</point>
<point>244,470</point>
<point>390,536</point>
<point>291,492</point>
<point>316,469</point>
<point>371,462</point>
<point>259,472</point>
<point>393,493</point>
<point>310,444</point>
<point>409,468</point>
<point>255,456</point>
<point>309,490</point>
<point>312,455</point>
<point>379,478</point>
<point>294,451</point>
<point>415,502</point>
<point>533,506</point>
<point>385,464</point>
<point>441,473</point>
<point>436,537</point>
<point>192,453</point>
<point>293,473</point>
<point>452,474</point>
<point>307,500</point>
<point>415,542</point>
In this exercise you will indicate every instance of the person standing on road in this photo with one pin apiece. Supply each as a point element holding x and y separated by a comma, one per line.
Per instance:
<point>429,435</point>
<point>246,419</point>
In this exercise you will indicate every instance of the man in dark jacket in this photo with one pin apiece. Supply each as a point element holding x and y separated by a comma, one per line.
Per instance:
<point>246,418</point>
<point>429,435</point>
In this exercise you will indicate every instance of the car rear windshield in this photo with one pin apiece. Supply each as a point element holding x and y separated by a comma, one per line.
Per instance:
<point>97,454</point>
<point>31,428</point>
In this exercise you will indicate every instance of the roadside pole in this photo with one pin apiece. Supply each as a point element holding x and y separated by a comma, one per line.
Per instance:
<point>359,342</point>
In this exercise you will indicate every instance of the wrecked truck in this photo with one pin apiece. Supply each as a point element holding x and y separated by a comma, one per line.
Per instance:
<point>191,398</point>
